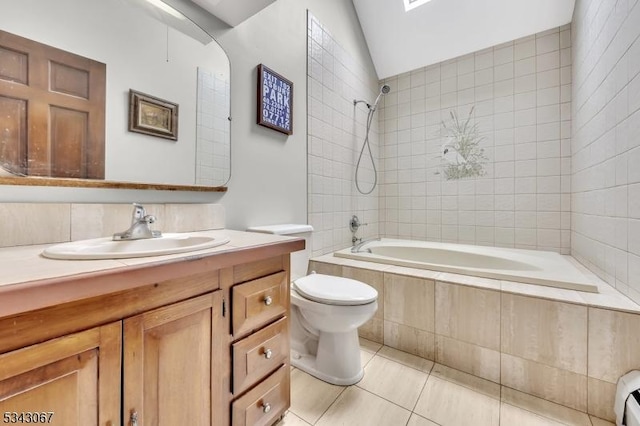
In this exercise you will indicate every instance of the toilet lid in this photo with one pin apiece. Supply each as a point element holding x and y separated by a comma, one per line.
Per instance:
<point>335,290</point>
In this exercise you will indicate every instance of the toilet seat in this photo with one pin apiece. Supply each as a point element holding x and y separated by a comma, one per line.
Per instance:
<point>332,290</point>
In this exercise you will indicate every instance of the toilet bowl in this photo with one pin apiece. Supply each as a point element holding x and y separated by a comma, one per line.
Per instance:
<point>326,312</point>
<point>324,330</point>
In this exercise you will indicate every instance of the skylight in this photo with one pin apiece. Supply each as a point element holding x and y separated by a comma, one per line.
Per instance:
<point>412,4</point>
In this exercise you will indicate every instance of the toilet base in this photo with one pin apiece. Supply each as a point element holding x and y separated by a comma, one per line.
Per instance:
<point>307,363</point>
<point>336,359</point>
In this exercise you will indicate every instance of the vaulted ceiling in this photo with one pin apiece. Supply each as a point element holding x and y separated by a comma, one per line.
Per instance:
<point>401,41</point>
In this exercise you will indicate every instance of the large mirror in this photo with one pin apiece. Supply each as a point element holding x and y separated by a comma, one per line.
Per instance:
<point>156,52</point>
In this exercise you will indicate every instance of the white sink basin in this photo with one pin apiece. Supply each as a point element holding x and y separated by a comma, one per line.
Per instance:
<point>106,248</point>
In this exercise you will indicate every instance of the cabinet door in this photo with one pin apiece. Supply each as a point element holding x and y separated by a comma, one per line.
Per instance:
<point>72,380</point>
<point>172,364</point>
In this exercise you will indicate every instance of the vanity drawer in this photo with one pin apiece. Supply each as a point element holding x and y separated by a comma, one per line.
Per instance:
<point>254,357</point>
<point>265,403</point>
<point>257,302</point>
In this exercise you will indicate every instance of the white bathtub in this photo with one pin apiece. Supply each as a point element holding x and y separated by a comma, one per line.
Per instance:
<point>527,266</point>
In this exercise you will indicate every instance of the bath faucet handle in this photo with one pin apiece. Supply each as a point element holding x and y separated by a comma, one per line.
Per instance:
<point>355,223</point>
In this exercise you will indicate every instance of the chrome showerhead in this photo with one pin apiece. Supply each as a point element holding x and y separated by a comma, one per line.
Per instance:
<point>383,91</point>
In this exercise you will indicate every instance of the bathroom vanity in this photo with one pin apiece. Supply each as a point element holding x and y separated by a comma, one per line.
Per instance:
<point>200,338</point>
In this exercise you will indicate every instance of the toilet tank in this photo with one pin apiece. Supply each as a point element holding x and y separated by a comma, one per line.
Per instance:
<point>299,259</point>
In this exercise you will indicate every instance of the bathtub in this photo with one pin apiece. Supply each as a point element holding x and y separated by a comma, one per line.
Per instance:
<point>526,266</point>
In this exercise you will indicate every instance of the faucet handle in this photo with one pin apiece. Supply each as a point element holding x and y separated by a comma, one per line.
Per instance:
<point>355,223</point>
<point>138,212</point>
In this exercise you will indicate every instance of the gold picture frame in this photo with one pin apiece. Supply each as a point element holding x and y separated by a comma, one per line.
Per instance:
<point>152,116</point>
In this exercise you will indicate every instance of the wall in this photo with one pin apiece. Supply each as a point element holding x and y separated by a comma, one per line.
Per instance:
<point>520,94</point>
<point>337,129</point>
<point>606,141</point>
<point>269,170</point>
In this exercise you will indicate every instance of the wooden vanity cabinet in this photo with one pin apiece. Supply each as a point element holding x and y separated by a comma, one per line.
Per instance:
<point>71,380</point>
<point>208,344</point>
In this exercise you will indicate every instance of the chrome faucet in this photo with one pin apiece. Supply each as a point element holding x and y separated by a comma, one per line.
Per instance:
<point>139,228</point>
<point>357,248</point>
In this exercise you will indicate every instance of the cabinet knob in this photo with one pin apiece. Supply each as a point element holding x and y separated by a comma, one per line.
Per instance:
<point>268,300</point>
<point>268,353</point>
<point>266,407</point>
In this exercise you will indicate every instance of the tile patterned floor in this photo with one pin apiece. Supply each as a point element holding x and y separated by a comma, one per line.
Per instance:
<point>399,389</point>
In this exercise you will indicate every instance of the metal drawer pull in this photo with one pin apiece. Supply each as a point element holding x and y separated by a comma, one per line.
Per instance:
<point>134,418</point>
<point>266,407</point>
<point>268,300</point>
<point>268,353</point>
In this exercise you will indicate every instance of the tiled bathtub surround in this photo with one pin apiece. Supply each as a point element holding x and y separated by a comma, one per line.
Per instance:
<point>564,346</point>
<point>606,141</point>
<point>335,136</point>
<point>30,223</point>
<point>520,93</point>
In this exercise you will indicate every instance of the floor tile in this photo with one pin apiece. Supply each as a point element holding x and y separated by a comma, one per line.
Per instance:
<point>416,420</point>
<point>460,378</point>
<point>310,397</point>
<point>510,415</point>
<point>367,350</point>
<point>393,381</point>
<point>449,404</point>
<point>599,422</point>
<point>406,358</point>
<point>544,408</point>
<point>357,407</point>
<point>291,419</point>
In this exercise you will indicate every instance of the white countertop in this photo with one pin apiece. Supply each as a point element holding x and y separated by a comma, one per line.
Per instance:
<point>22,264</point>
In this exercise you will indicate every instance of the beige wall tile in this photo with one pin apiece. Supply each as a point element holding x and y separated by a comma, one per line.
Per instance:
<point>373,278</point>
<point>373,329</point>
<point>325,268</point>
<point>447,403</point>
<point>599,422</point>
<point>393,381</point>
<point>192,217</point>
<point>553,384</point>
<point>359,407</point>
<point>409,301</point>
<point>303,385</point>
<point>473,359</point>
<point>103,220</point>
<point>467,380</point>
<point>468,314</point>
<point>409,339</point>
<point>601,397</point>
<point>24,224</point>
<point>545,408</point>
<point>548,332</point>
<point>614,344</point>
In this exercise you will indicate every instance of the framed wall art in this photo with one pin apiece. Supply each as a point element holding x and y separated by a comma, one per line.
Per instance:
<point>275,101</point>
<point>152,116</point>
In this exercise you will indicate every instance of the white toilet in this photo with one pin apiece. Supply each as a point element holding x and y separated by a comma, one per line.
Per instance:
<point>326,312</point>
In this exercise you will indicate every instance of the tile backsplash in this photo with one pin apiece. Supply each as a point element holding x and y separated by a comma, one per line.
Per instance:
<point>33,223</point>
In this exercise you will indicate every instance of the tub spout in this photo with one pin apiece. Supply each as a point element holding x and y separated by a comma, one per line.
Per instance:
<point>357,248</point>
